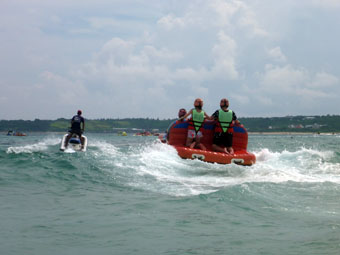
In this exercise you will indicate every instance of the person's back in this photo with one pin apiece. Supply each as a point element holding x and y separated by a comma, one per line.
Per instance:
<point>195,125</point>
<point>223,136</point>
<point>76,122</point>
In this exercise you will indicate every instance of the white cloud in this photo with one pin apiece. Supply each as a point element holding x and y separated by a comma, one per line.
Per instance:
<point>217,14</point>
<point>224,53</point>
<point>278,79</point>
<point>248,19</point>
<point>277,55</point>
<point>323,80</point>
<point>116,52</point>
<point>226,10</point>
<point>59,90</point>
<point>190,74</point>
<point>161,55</point>
<point>170,22</point>
<point>299,82</point>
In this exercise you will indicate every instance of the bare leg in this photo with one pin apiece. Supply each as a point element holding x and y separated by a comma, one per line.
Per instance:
<point>219,149</point>
<point>193,145</point>
<point>189,142</point>
<point>82,140</point>
<point>68,137</point>
<point>230,150</point>
<point>200,145</point>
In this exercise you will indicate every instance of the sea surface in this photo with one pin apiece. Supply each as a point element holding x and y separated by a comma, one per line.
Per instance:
<point>134,195</point>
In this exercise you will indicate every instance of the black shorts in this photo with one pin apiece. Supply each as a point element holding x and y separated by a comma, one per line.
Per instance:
<point>76,131</point>
<point>223,139</point>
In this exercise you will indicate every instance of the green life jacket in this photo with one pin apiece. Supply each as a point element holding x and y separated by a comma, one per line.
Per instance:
<point>197,119</point>
<point>225,119</point>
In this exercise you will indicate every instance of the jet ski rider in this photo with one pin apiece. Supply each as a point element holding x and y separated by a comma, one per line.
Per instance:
<point>77,127</point>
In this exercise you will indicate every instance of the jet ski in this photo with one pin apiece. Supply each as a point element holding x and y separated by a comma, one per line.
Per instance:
<point>74,143</point>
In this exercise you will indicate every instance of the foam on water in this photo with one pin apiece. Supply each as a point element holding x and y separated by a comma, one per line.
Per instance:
<point>104,148</point>
<point>303,165</point>
<point>69,150</point>
<point>158,168</point>
<point>154,166</point>
<point>35,147</point>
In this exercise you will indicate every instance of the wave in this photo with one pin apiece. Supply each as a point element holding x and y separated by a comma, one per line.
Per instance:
<point>303,165</point>
<point>35,147</point>
<point>154,166</point>
<point>157,167</point>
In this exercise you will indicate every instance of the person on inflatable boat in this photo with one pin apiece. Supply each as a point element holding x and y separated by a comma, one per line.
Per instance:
<point>195,125</point>
<point>181,113</point>
<point>77,127</point>
<point>223,133</point>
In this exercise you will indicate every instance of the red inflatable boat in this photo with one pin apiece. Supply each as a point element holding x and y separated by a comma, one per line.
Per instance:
<point>177,134</point>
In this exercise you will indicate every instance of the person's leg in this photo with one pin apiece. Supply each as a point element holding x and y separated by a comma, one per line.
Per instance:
<point>82,141</point>
<point>68,137</point>
<point>218,143</point>
<point>190,139</point>
<point>192,145</point>
<point>229,143</point>
<point>201,146</point>
<point>198,141</point>
<point>230,150</point>
<point>217,148</point>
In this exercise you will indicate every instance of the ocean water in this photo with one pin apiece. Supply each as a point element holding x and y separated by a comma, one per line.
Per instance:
<point>134,195</point>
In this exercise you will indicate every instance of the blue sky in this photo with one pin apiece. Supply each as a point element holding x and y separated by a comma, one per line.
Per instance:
<point>133,58</point>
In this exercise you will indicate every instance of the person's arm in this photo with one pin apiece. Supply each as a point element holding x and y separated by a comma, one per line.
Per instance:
<point>207,116</point>
<point>236,121</point>
<point>214,116</point>
<point>83,129</point>
<point>186,115</point>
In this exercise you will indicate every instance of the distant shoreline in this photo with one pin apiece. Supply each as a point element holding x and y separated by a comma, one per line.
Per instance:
<point>289,125</point>
<point>293,133</point>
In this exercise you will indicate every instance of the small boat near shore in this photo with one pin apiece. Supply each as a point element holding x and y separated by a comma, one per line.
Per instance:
<point>122,133</point>
<point>15,133</point>
<point>177,134</point>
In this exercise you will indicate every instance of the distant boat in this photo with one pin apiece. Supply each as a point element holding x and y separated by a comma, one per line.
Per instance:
<point>146,133</point>
<point>13,133</point>
<point>122,133</point>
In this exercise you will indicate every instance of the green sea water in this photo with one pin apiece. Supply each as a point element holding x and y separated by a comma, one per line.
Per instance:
<point>134,195</point>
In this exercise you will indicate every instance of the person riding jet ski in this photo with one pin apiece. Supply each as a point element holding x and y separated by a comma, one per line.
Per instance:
<point>77,127</point>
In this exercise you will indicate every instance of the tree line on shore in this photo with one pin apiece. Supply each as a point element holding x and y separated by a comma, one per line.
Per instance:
<point>318,124</point>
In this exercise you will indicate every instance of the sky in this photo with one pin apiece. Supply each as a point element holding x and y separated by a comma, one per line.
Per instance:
<point>148,59</point>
